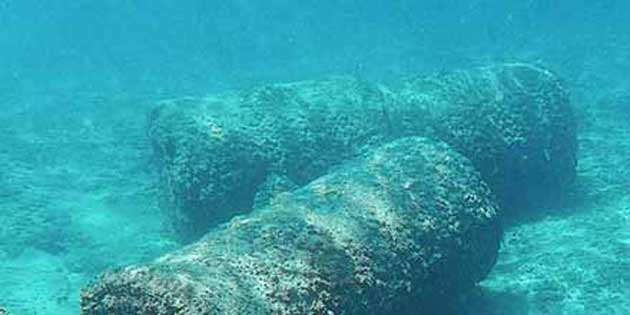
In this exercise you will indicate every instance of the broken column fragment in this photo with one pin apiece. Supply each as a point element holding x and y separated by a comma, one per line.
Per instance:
<point>223,154</point>
<point>514,121</point>
<point>384,234</point>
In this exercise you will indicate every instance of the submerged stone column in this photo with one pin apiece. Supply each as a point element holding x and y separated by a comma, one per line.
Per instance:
<point>385,234</point>
<point>228,153</point>
<point>514,121</point>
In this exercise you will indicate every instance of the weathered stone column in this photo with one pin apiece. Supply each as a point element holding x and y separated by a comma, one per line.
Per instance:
<point>514,121</point>
<point>227,153</point>
<point>383,234</point>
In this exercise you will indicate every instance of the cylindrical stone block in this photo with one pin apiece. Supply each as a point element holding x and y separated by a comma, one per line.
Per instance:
<point>514,121</point>
<point>386,233</point>
<point>225,154</point>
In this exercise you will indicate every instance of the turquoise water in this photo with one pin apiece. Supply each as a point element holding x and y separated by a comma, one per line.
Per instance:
<point>78,184</point>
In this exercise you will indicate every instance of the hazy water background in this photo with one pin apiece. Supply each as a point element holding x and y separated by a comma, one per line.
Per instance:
<point>77,189</point>
<point>176,47</point>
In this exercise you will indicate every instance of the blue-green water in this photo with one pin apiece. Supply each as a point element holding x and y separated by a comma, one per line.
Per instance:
<point>78,185</point>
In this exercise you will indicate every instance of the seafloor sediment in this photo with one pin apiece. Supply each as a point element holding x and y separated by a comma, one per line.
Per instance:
<point>574,259</point>
<point>76,197</point>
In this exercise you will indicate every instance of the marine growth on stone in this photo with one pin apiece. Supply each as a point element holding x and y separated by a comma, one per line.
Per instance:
<point>390,232</point>
<point>226,154</point>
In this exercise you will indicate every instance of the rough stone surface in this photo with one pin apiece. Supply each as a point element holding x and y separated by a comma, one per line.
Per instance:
<point>223,154</point>
<point>387,233</point>
<point>514,121</point>
<point>217,152</point>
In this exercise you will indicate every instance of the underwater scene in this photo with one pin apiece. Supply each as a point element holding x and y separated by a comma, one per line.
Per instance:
<point>331,157</point>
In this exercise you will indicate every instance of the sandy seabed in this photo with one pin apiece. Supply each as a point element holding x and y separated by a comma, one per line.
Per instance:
<point>79,196</point>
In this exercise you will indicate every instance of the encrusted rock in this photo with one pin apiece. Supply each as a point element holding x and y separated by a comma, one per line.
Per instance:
<point>218,151</point>
<point>514,121</point>
<point>388,233</point>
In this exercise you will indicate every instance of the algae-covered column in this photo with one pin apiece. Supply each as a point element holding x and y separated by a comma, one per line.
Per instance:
<point>514,121</point>
<point>388,233</point>
<point>224,154</point>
